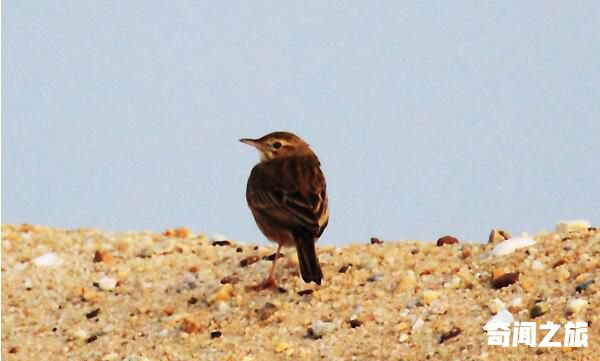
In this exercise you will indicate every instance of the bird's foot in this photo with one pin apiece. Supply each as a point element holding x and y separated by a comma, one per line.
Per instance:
<point>269,283</point>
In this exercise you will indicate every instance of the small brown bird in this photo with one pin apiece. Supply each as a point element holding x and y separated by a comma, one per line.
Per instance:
<point>286,193</point>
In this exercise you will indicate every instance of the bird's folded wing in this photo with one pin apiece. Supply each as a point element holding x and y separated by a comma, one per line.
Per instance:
<point>291,209</point>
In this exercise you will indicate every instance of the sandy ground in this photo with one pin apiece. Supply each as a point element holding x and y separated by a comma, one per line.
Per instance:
<point>91,295</point>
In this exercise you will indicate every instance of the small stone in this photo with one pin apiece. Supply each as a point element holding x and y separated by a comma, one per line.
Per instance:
<point>354,323</point>
<point>215,334</point>
<point>496,306</point>
<point>498,235</point>
<point>281,346</point>
<point>505,280</point>
<point>91,339</point>
<point>88,294</point>
<point>565,227</point>
<point>192,301</point>
<point>417,325</point>
<point>563,274</point>
<point>267,311</point>
<point>537,265</point>
<point>305,292</point>
<point>189,326</point>
<point>429,296</point>
<point>582,286</point>
<point>249,260</point>
<point>100,256</point>
<point>446,240</point>
<point>453,283</point>
<point>375,240</point>
<point>403,337</point>
<point>49,259</point>
<point>375,277</point>
<point>181,232</point>
<point>230,279</point>
<point>455,331</point>
<point>81,333</point>
<point>560,262</point>
<point>221,243</point>
<point>223,294</point>
<point>223,307</point>
<point>13,349</point>
<point>320,328</point>
<point>345,268</point>
<point>576,305</point>
<point>92,314</point>
<point>107,283</point>
<point>539,309</point>
<point>510,245</point>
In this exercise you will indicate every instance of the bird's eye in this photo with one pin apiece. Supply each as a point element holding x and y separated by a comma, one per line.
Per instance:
<point>277,145</point>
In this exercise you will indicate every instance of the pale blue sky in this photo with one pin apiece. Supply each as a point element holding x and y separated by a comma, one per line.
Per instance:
<point>430,118</point>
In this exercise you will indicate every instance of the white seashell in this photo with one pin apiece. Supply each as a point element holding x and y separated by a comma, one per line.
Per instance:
<point>49,259</point>
<point>565,227</point>
<point>575,305</point>
<point>107,283</point>
<point>510,245</point>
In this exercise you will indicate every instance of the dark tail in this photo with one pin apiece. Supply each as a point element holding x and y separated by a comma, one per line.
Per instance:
<point>309,263</point>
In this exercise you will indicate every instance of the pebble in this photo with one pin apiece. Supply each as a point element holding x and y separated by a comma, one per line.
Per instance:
<point>354,323</point>
<point>107,283</point>
<point>49,259</point>
<point>582,286</point>
<point>100,256</point>
<point>223,294</point>
<point>510,245</point>
<point>281,346</point>
<point>566,227</point>
<point>267,311</point>
<point>320,328</point>
<point>446,240</point>
<point>496,306</point>
<point>503,316</point>
<point>417,325</point>
<point>537,265</point>
<point>453,283</point>
<point>505,280</point>
<point>430,296</point>
<point>345,268</point>
<point>403,337</point>
<point>189,326</point>
<point>249,260</point>
<point>563,274</point>
<point>516,302</point>
<point>375,240</point>
<point>539,309</point>
<point>498,235</point>
<point>576,305</point>
<point>455,331</point>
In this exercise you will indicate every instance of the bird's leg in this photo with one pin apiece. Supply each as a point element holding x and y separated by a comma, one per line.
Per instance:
<point>270,281</point>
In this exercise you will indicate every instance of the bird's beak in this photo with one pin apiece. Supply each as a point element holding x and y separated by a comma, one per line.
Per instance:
<point>252,142</point>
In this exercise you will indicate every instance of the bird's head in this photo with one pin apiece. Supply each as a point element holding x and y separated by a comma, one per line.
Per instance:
<point>278,145</point>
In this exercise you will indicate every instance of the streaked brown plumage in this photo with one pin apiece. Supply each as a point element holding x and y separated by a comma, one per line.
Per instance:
<point>287,195</point>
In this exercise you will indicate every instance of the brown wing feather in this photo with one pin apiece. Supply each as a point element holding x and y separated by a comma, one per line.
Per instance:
<point>290,192</point>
